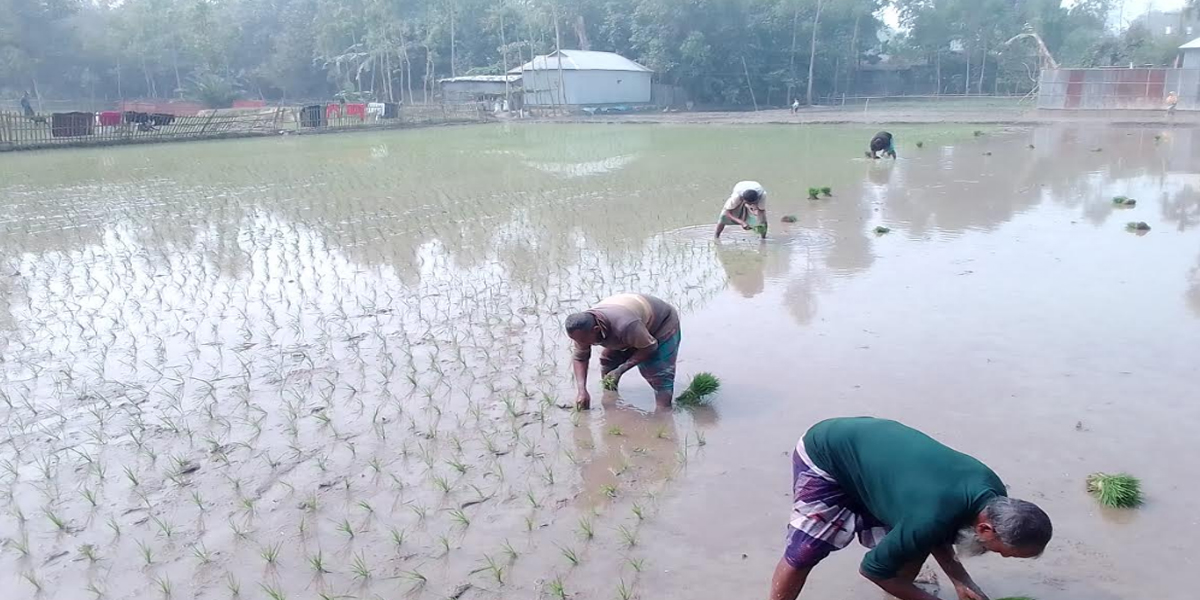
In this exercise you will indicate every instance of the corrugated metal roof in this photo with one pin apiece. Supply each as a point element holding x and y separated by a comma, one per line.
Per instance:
<point>482,78</point>
<point>581,60</point>
<point>1191,45</point>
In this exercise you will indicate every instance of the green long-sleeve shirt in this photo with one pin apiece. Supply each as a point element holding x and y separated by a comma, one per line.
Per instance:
<point>923,490</point>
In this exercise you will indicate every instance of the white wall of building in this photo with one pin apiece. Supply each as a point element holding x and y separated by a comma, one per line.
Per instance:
<point>1191,58</point>
<point>586,87</point>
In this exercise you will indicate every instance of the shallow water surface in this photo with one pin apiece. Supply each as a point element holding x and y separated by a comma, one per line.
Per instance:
<point>332,365</point>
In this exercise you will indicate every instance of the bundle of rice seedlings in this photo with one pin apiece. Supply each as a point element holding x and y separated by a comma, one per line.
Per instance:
<point>978,133</point>
<point>814,193</point>
<point>880,230</point>
<point>1137,226</point>
<point>827,191</point>
<point>761,229</point>
<point>1120,199</point>
<point>1121,490</point>
<point>920,144</point>
<point>703,385</point>
<point>789,219</point>
<point>609,383</point>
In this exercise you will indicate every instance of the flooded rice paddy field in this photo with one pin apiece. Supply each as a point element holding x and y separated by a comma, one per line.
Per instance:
<point>332,366</point>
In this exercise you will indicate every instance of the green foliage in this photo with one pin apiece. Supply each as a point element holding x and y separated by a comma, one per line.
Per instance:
<point>1121,490</point>
<point>702,386</point>
<point>814,193</point>
<point>880,230</point>
<point>789,219</point>
<point>609,383</point>
<point>213,90</point>
<point>827,191</point>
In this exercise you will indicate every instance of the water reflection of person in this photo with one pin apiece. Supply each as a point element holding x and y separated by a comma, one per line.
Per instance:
<point>631,439</point>
<point>745,267</point>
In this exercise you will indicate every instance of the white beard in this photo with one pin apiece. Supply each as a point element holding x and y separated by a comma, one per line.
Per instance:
<point>968,544</point>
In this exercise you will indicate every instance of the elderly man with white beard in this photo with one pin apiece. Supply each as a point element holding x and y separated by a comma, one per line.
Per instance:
<point>906,496</point>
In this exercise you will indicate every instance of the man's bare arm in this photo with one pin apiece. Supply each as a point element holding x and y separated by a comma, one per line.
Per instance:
<point>964,586</point>
<point>639,356</point>
<point>733,217</point>
<point>901,588</point>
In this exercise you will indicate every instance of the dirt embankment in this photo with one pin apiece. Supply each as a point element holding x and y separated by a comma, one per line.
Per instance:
<point>1015,115</point>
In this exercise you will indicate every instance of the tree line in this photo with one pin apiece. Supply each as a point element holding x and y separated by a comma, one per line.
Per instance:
<point>723,52</point>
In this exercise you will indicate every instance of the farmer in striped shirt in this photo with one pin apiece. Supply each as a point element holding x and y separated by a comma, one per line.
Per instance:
<point>636,330</point>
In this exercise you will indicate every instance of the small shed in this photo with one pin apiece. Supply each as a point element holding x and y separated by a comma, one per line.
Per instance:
<point>470,88</point>
<point>1189,54</point>
<point>584,78</point>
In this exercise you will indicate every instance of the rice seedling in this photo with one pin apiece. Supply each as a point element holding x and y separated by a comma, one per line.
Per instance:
<point>460,517</point>
<point>920,144</point>
<point>233,585</point>
<point>272,592</point>
<point>164,585</point>
<point>270,553</point>
<point>978,133</point>
<point>510,552</point>
<point>789,219</point>
<point>1137,226</point>
<point>359,567</point>
<point>88,551</point>
<point>827,191</point>
<point>147,552</point>
<point>624,592</point>
<point>114,526</point>
<point>419,580</point>
<point>346,528</point>
<point>33,580</point>
<point>58,521</point>
<point>397,537</point>
<point>638,511</point>
<point>616,430</point>
<point>557,589</point>
<point>881,230</point>
<point>629,536</point>
<point>609,383</point>
<point>570,554</point>
<point>317,563</point>
<point>702,386</point>
<point>1120,490</point>
<point>586,530</point>
<point>637,564</point>
<point>201,552</point>
<point>89,495</point>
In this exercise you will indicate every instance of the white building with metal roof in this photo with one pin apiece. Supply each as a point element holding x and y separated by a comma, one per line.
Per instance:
<point>1190,55</point>
<point>584,78</point>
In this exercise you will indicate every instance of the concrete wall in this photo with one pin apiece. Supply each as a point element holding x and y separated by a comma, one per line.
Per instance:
<point>1117,89</point>
<point>586,88</point>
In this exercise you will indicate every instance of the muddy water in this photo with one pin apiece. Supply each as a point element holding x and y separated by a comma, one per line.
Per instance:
<point>332,365</point>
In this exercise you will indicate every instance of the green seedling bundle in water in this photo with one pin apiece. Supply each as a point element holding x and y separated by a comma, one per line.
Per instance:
<point>761,229</point>
<point>609,383</point>
<point>1124,201</point>
<point>827,191</point>
<point>1121,490</point>
<point>1137,226</point>
<point>702,386</point>
<point>814,193</point>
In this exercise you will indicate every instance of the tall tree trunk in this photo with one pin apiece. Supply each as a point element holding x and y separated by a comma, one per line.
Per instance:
<point>792,59</point>
<point>937,53</point>
<point>562,88</point>
<point>504,60</point>
<point>967,79</point>
<point>812,55</point>
<point>453,42</point>
<point>581,33</point>
<point>852,79</point>
<point>982,68</point>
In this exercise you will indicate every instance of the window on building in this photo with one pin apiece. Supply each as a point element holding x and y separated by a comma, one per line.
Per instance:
<point>1189,30</point>
<point>1168,29</point>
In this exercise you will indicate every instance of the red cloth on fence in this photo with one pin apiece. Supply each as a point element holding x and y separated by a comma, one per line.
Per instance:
<point>110,118</point>
<point>333,111</point>
<point>357,110</point>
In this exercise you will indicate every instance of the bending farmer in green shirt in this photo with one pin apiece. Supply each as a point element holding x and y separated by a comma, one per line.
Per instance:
<point>904,495</point>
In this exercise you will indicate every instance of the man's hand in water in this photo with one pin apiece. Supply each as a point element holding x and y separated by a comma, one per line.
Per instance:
<point>583,401</point>
<point>969,592</point>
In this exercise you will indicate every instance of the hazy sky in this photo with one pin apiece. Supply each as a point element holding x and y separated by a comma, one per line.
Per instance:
<point>1126,11</point>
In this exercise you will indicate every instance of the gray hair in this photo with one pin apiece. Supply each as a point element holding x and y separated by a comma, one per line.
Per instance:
<point>1019,524</point>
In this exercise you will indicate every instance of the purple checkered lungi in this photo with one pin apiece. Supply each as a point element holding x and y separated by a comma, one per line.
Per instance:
<point>824,517</point>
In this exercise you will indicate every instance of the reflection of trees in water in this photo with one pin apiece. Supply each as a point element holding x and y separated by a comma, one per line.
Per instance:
<point>1192,295</point>
<point>1182,208</point>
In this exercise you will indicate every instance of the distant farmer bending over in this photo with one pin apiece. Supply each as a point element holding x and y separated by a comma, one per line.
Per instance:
<point>882,142</point>
<point>906,496</point>
<point>746,206</point>
<point>636,330</point>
